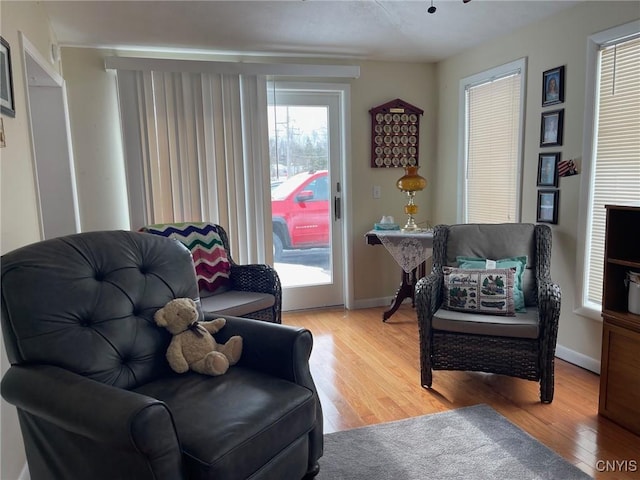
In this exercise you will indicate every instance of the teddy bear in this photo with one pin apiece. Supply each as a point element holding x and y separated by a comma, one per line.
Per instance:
<point>193,346</point>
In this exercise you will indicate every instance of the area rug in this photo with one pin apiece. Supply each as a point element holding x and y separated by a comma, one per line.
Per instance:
<point>469,443</point>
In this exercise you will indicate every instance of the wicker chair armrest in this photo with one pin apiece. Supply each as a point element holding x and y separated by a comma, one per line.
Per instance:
<point>428,298</point>
<point>428,295</point>
<point>549,301</point>
<point>255,278</point>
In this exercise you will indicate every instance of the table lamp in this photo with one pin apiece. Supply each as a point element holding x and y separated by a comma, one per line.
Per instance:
<point>411,183</point>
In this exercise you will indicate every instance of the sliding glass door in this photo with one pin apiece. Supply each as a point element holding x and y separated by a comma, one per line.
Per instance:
<point>306,145</point>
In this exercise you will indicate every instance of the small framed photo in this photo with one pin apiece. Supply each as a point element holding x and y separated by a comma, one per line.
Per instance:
<point>547,209</point>
<point>553,86</point>
<point>548,169</point>
<point>6,80</point>
<point>551,124</point>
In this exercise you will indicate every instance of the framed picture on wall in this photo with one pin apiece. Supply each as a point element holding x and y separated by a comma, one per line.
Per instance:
<point>553,86</point>
<point>6,80</point>
<point>551,125</point>
<point>548,169</point>
<point>547,208</point>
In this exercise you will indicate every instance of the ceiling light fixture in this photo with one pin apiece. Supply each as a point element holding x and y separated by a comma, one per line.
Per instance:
<point>433,9</point>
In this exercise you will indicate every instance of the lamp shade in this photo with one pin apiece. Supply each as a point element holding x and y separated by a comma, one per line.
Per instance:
<point>411,181</point>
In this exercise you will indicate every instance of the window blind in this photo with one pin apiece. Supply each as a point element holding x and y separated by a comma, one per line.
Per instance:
<point>617,149</point>
<point>493,136</point>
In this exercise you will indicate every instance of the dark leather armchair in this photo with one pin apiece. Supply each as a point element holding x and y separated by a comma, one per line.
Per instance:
<point>523,345</point>
<point>95,395</point>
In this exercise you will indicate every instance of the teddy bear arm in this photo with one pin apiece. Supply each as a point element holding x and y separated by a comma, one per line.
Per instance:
<point>214,326</point>
<point>175,357</point>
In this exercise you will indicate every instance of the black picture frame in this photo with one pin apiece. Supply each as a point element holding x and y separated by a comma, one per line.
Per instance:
<point>548,169</point>
<point>553,86</point>
<point>547,206</point>
<point>551,128</point>
<point>6,80</point>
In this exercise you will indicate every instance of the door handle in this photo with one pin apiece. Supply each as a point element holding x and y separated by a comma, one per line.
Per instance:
<point>337,208</point>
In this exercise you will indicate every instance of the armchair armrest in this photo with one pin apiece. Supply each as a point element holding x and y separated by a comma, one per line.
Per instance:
<point>120,419</point>
<point>428,293</point>
<point>282,351</point>
<point>279,350</point>
<point>549,303</point>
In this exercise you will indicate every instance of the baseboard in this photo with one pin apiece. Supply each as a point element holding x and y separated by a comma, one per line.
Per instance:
<point>24,474</point>
<point>578,359</point>
<point>375,302</point>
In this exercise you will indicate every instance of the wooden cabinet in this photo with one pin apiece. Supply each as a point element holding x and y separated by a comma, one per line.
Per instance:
<point>620,369</point>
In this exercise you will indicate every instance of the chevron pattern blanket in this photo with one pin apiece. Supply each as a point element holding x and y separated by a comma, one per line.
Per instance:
<point>209,255</point>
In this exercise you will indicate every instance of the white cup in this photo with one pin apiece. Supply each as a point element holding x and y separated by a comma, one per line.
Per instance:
<point>634,298</point>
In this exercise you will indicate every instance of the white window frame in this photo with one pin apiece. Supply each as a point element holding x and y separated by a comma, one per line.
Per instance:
<point>476,79</point>
<point>582,305</point>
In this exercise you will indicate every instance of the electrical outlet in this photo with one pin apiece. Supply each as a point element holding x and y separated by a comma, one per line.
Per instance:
<point>376,191</point>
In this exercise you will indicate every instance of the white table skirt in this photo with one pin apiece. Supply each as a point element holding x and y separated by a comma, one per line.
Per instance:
<point>407,248</point>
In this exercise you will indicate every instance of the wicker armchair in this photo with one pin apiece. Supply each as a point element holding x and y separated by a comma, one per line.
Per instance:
<point>520,346</point>
<point>252,291</point>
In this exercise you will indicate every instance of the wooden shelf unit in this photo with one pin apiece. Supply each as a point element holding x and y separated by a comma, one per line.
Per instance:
<point>620,366</point>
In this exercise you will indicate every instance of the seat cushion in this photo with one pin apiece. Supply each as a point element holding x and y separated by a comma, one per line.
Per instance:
<point>236,303</point>
<point>231,425</point>
<point>522,325</point>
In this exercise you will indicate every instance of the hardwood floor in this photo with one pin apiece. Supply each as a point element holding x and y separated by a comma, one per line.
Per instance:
<point>368,372</point>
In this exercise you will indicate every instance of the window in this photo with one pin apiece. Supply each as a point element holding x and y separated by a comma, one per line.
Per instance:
<point>320,188</point>
<point>491,150</point>
<point>612,155</point>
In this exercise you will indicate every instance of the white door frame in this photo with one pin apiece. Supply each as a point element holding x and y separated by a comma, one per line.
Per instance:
<point>343,175</point>
<point>53,166</point>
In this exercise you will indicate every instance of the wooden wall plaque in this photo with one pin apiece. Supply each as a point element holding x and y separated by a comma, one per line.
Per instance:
<point>395,134</point>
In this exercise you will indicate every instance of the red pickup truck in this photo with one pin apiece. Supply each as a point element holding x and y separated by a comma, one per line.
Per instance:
<point>300,212</point>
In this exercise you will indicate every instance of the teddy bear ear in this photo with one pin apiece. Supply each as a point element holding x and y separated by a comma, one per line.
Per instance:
<point>160,318</point>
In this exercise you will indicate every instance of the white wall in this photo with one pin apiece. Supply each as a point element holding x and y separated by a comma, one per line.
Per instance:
<point>561,40</point>
<point>98,154</point>
<point>18,203</point>
<point>376,275</point>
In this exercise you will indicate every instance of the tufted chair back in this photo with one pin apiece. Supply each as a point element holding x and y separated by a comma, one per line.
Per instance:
<point>93,310</point>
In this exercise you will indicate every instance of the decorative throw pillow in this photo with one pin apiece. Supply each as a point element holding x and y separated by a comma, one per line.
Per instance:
<point>209,255</point>
<point>520,263</point>
<point>479,290</point>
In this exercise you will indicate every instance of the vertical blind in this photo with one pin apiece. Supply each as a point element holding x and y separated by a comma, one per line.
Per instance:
<point>172,170</point>
<point>492,142</point>
<point>617,149</point>
<point>196,149</point>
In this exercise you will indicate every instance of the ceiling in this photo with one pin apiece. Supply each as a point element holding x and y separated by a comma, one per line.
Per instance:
<point>364,29</point>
